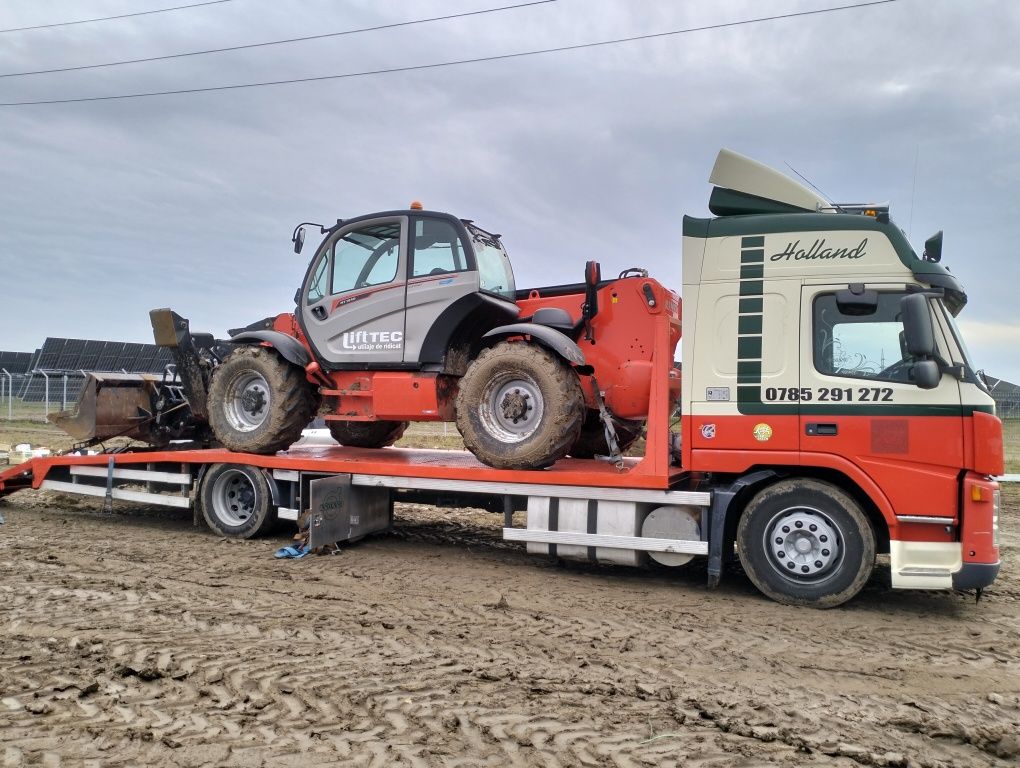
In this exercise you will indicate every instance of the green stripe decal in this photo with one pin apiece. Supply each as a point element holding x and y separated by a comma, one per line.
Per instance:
<point>752,271</point>
<point>749,347</point>
<point>750,287</point>
<point>749,324</point>
<point>749,321</point>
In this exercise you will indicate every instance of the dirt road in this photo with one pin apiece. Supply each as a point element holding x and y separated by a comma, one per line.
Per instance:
<point>135,639</point>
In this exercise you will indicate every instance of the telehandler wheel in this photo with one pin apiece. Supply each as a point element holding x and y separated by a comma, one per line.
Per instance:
<point>805,542</point>
<point>258,402</point>
<point>519,407</point>
<point>367,434</point>
<point>236,501</point>
<point>592,440</point>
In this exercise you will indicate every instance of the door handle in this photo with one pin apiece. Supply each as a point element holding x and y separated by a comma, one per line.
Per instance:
<point>319,312</point>
<point>821,430</point>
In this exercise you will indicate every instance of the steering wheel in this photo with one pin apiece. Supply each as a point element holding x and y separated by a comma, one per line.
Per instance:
<point>898,371</point>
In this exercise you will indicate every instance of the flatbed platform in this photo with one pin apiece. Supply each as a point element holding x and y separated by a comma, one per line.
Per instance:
<point>394,462</point>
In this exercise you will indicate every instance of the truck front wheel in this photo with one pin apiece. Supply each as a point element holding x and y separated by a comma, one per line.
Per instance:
<point>805,542</point>
<point>519,407</point>
<point>258,402</point>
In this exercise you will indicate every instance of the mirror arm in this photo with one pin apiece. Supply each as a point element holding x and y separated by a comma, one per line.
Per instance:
<point>937,293</point>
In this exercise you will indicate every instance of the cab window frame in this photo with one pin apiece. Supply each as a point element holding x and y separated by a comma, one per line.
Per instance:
<point>466,252</point>
<point>825,339</point>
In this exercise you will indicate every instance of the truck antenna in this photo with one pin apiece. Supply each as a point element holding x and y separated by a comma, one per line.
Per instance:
<point>913,188</point>
<point>816,189</point>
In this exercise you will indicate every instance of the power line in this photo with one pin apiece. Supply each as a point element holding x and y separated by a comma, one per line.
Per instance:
<point>458,62</point>
<point>119,16</point>
<point>279,42</point>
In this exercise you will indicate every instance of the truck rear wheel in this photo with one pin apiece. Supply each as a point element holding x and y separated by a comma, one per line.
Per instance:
<point>367,434</point>
<point>805,542</point>
<point>236,501</point>
<point>258,402</point>
<point>519,407</point>
<point>592,440</point>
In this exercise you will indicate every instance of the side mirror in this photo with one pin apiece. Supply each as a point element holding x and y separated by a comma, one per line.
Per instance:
<point>933,248</point>
<point>926,374</point>
<point>298,239</point>
<point>917,327</point>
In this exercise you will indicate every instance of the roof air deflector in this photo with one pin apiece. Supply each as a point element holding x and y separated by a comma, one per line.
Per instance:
<point>741,174</point>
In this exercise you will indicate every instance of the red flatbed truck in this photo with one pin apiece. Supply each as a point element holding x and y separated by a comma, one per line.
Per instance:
<point>829,412</point>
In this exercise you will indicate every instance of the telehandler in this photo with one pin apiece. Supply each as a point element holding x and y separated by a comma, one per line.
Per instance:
<point>413,315</point>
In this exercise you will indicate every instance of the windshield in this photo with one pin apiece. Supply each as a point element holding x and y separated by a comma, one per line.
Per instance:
<point>494,270</point>
<point>968,361</point>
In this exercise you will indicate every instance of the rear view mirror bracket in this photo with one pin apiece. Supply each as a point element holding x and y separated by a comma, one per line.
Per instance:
<point>855,299</point>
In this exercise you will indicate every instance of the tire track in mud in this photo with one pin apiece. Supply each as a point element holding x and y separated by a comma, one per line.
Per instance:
<point>181,649</point>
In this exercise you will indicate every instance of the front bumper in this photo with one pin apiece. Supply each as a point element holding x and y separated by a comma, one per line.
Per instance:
<point>975,575</point>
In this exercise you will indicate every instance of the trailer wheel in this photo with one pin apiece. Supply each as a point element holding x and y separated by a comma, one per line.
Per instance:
<point>258,402</point>
<point>805,542</point>
<point>367,434</point>
<point>236,501</point>
<point>519,407</point>
<point>592,440</point>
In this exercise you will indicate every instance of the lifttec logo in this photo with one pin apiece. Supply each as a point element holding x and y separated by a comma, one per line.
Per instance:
<point>372,341</point>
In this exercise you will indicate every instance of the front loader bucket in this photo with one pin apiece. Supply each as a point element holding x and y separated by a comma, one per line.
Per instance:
<point>111,405</point>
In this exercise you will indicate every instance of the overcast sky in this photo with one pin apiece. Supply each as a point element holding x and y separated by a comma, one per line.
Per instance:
<point>112,208</point>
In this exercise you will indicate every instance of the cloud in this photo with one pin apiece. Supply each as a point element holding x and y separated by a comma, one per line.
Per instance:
<point>112,208</point>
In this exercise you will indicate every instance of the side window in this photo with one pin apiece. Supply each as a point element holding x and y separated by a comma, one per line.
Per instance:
<point>861,346</point>
<point>366,257</point>
<point>437,248</point>
<point>320,280</point>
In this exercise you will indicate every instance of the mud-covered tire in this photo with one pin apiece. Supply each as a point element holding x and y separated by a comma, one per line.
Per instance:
<point>258,402</point>
<point>592,440</point>
<point>806,542</point>
<point>519,407</point>
<point>367,434</point>
<point>236,501</point>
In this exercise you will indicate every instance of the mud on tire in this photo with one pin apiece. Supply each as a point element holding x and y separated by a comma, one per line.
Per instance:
<point>805,542</point>
<point>236,501</point>
<point>519,407</point>
<point>367,434</point>
<point>258,402</point>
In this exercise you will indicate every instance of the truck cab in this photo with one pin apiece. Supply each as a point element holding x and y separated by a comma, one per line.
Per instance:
<point>818,343</point>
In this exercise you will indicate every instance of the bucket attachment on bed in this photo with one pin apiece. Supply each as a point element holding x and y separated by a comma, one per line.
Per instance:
<point>140,406</point>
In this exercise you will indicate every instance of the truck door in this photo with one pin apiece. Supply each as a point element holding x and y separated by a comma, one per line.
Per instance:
<point>859,405</point>
<point>352,301</point>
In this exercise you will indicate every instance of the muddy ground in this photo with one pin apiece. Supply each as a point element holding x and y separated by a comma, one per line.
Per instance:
<point>134,638</point>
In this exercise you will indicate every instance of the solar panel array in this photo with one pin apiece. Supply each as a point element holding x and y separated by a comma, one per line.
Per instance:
<point>74,356</point>
<point>16,362</point>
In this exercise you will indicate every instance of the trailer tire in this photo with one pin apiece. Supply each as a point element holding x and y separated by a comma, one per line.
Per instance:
<point>519,407</point>
<point>806,542</point>
<point>258,402</point>
<point>592,440</point>
<point>236,501</point>
<point>367,434</point>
